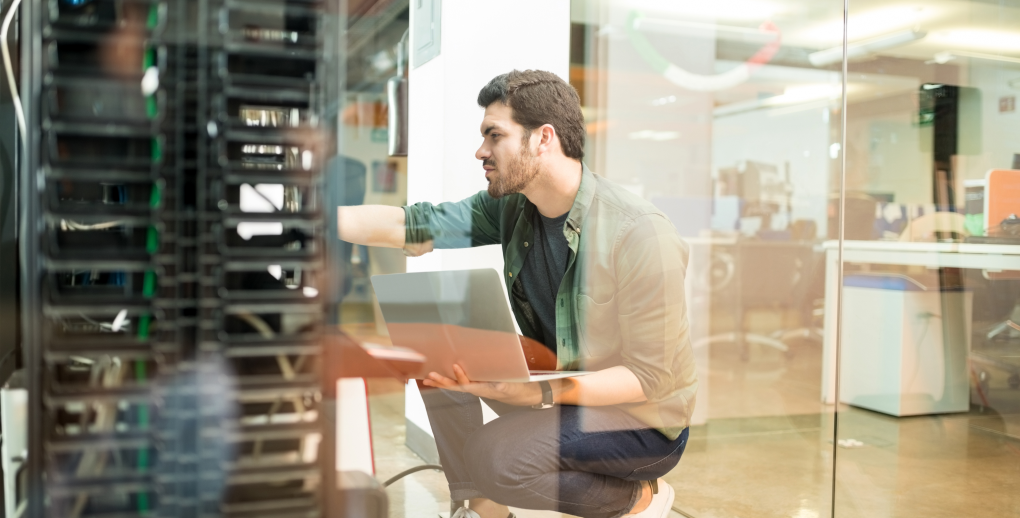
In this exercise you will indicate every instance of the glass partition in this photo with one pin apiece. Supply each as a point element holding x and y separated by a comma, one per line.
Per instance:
<point>726,118</point>
<point>850,295</point>
<point>928,374</point>
<point>721,115</point>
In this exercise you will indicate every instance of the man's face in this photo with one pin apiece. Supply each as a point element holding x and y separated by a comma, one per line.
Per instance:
<point>507,159</point>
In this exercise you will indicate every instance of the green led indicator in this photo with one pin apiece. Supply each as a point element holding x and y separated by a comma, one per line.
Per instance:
<point>140,376</point>
<point>156,197</point>
<point>152,240</point>
<point>143,498</point>
<point>149,284</point>
<point>149,59</point>
<point>151,108</point>
<point>143,326</point>
<point>157,150</point>
<point>153,20</point>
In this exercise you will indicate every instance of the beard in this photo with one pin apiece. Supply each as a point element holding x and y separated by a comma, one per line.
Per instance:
<point>514,175</point>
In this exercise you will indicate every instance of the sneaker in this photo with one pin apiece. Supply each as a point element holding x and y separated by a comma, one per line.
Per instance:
<point>662,501</point>
<point>464,512</point>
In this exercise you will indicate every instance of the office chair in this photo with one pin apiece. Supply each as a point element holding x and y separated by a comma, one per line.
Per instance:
<point>999,337</point>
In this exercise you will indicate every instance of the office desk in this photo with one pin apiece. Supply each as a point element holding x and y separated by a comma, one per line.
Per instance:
<point>932,255</point>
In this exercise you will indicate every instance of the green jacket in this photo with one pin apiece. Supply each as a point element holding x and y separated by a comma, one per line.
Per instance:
<point>621,301</point>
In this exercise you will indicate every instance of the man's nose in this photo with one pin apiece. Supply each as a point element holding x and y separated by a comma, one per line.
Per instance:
<point>482,153</point>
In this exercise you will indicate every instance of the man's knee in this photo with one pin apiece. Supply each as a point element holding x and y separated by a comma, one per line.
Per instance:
<point>503,461</point>
<point>484,454</point>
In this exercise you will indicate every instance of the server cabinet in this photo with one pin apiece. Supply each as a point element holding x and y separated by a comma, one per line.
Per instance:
<point>172,264</point>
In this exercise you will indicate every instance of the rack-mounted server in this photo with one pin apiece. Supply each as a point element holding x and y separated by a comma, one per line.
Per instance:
<point>173,277</point>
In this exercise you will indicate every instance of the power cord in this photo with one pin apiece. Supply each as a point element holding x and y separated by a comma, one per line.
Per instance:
<point>9,68</point>
<point>407,472</point>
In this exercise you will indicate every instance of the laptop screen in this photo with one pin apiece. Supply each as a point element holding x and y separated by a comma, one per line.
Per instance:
<point>466,298</point>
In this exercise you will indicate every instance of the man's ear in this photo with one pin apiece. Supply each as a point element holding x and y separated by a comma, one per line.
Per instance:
<point>548,140</point>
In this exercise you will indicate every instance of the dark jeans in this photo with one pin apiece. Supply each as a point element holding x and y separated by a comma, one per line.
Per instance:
<point>583,461</point>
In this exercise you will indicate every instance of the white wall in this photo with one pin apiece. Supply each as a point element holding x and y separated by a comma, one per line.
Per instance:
<point>480,40</point>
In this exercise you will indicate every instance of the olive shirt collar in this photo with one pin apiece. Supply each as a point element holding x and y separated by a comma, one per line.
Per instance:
<point>519,246</point>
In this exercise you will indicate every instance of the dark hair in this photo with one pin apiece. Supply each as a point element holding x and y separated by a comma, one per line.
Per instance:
<point>536,98</point>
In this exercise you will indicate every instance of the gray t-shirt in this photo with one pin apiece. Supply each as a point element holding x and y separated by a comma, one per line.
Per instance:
<point>543,271</point>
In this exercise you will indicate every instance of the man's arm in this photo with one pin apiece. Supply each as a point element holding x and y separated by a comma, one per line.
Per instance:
<point>377,225</point>
<point>372,225</point>
<point>419,228</point>
<point>612,386</point>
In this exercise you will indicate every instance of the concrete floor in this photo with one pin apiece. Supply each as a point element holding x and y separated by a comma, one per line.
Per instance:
<point>767,451</point>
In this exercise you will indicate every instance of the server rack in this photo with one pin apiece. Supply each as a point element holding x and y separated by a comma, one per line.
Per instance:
<point>172,267</point>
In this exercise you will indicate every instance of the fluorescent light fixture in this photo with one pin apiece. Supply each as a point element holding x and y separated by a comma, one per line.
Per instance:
<point>864,48</point>
<point>865,25</point>
<point>793,95</point>
<point>806,93</point>
<point>657,136</point>
<point>995,41</point>
<point>703,30</point>
<point>949,55</point>
<point>751,10</point>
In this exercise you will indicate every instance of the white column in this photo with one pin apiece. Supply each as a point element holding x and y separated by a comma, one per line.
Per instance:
<point>480,40</point>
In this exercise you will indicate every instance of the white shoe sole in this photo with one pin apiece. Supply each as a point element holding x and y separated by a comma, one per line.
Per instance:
<point>670,497</point>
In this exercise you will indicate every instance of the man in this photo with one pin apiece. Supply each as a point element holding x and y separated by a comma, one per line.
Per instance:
<point>596,275</point>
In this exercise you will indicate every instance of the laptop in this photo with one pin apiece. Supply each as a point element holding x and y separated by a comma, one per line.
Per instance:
<point>457,316</point>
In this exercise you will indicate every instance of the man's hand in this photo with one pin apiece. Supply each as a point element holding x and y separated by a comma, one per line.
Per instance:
<point>520,394</point>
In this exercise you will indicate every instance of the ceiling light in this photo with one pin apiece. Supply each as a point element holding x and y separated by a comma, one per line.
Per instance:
<point>703,30</point>
<point>657,136</point>
<point>995,41</point>
<point>949,55</point>
<point>792,96</point>
<point>867,24</point>
<point>799,94</point>
<point>864,48</point>
<point>752,10</point>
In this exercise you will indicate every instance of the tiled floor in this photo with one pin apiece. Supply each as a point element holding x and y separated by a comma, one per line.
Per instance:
<point>767,451</point>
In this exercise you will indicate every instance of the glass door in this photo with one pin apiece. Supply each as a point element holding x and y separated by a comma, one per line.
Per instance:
<point>928,386</point>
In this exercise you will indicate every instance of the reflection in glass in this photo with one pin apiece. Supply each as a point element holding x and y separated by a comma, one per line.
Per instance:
<point>927,381</point>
